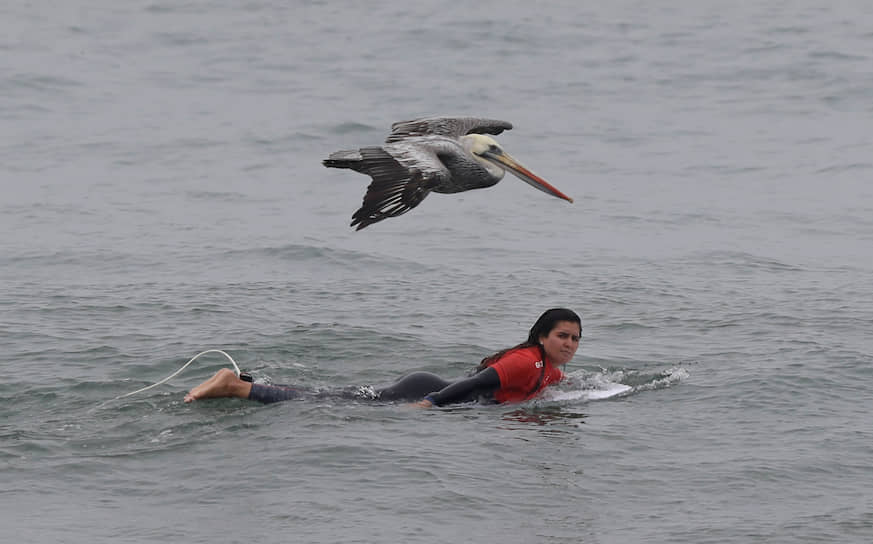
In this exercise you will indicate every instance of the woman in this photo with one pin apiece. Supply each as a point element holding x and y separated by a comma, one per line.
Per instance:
<point>512,375</point>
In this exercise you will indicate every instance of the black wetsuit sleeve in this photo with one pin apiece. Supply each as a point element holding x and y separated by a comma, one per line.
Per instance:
<point>483,383</point>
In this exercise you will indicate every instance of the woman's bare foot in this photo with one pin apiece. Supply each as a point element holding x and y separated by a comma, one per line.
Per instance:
<point>224,383</point>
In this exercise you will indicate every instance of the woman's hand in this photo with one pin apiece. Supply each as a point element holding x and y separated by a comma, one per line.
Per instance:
<point>423,403</point>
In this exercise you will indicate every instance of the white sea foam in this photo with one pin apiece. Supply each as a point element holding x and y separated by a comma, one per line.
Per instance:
<point>600,393</point>
<point>605,384</point>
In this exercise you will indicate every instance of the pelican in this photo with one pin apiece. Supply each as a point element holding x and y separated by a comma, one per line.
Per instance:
<point>439,154</point>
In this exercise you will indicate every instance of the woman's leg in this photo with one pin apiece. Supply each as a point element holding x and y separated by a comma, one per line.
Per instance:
<point>224,383</point>
<point>268,394</point>
<point>413,387</point>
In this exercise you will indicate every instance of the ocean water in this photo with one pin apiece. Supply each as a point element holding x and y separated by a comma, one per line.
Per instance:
<point>163,194</point>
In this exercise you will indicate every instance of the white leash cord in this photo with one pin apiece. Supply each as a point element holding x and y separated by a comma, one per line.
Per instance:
<point>176,373</point>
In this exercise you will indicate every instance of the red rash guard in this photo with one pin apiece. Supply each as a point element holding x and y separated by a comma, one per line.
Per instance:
<point>519,372</point>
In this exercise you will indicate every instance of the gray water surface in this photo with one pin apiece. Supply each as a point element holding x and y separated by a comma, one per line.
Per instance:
<point>163,194</point>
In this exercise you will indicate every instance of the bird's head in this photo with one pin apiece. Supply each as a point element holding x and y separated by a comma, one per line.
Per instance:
<point>492,155</point>
<point>484,148</point>
<point>480,144</point>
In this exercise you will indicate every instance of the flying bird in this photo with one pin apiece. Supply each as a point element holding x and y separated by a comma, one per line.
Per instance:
<point>439,154</point>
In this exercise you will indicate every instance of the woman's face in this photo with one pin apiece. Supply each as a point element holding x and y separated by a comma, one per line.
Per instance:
<point>562,342</point>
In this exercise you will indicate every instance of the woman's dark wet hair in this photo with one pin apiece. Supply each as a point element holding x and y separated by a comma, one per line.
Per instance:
<point>542,327</point>
<point>547,322</point>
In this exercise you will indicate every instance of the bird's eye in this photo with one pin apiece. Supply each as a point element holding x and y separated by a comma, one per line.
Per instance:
<point>493,148</point>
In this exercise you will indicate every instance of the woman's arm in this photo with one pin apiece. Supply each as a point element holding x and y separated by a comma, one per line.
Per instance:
<point>483,383</point>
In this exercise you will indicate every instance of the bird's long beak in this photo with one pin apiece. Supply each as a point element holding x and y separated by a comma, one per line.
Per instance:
<point>505,160</point>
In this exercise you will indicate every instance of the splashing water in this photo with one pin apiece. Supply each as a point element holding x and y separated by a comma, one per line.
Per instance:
<point>586,385</point>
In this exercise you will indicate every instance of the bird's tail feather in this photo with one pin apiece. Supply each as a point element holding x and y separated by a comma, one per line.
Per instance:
<point>344,159</point>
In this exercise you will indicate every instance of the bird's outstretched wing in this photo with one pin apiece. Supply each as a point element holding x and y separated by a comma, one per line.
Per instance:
<point>396,188</point>
<point>452,127</point>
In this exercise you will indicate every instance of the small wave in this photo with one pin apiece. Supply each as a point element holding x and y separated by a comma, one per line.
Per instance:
<point>352,127</point>
<point>227,196</point>
<point>834,168</point>
<point>336,258</point>
<point>835,55</point>
<point>663,380</point>
<point>743,260</point>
